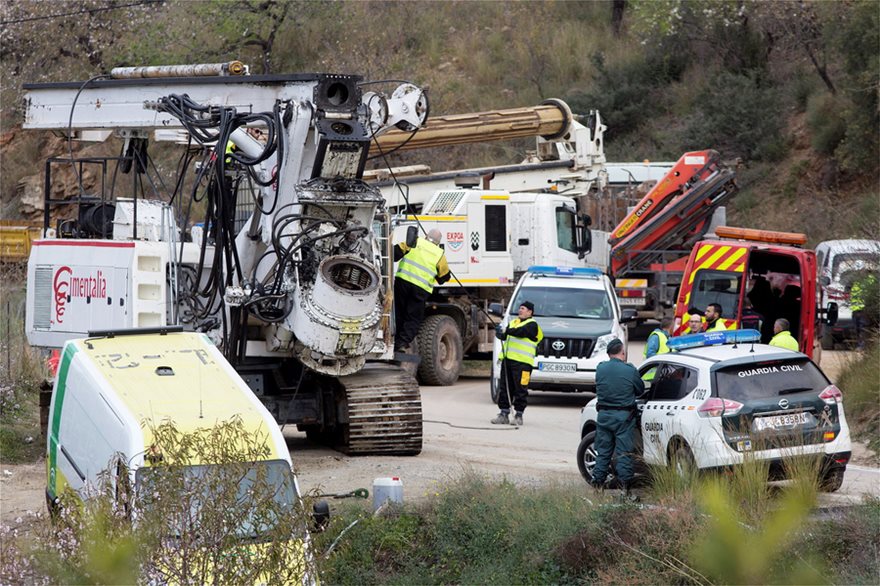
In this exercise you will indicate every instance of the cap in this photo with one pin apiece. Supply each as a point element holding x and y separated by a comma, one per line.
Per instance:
<point>528,305</point>
<point>615,346</point>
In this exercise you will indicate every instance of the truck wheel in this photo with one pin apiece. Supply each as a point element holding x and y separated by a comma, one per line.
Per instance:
<point>494,389</point>
<point>440,350</point>
<point>827,340</point>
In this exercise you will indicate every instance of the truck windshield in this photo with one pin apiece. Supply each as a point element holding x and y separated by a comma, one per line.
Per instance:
<point>257,495</point>
<point>565,302</point>
<point>720,287</point>
<point>852,263</point>
<point>765,380</point>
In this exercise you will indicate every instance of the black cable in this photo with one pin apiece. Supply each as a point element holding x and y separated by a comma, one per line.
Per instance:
<point>415,216</point>
<point>70,130</point>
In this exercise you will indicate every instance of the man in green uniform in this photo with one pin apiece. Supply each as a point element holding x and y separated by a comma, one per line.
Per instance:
<point>782,337</point>
<point>617,386</point>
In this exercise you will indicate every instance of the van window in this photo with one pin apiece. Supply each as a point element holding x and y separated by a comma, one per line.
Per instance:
<point>565,229</point>
<point>271,481</point>
<point>565,302</point>
<point>721,287</point>
<point>769,379</point>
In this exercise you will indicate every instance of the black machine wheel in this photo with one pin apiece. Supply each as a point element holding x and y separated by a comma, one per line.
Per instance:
<point>494,388</point>
<point>832,480</point>
<point>440,350</point>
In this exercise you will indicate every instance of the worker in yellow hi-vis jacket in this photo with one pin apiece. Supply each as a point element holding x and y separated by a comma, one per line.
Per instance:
<point>422,265</point>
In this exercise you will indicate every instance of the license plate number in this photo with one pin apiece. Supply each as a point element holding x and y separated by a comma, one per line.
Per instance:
<point>781,421</point>
<point>631,300</point>
<point>557,366</point>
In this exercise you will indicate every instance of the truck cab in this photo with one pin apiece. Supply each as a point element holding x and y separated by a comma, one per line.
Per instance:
<point>757,277</point>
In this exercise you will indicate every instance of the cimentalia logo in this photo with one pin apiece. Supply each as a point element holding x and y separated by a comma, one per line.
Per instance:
<point>67,286</point>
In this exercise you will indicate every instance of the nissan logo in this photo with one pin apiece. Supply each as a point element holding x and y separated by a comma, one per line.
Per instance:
<point>783,403</point>
<point>558,345</point>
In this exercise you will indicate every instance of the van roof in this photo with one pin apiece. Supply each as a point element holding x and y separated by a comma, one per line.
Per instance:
<point>178,376</point>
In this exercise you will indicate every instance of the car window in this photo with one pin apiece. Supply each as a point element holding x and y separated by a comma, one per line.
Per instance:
<point>769,379</point>
<point>565,229</point>
<point>565,302</point>
<point>673,382</point>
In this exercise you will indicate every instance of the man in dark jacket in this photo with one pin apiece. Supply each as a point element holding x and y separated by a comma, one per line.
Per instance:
<point>519,345</point>
<point>617,386</point>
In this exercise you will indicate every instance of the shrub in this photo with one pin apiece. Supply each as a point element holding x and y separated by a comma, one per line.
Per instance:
<point>737,116</point>
<point>825,123</point>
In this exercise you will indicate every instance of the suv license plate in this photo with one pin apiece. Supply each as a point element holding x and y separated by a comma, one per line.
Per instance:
<point>557,366</point>
<point>777,421</point>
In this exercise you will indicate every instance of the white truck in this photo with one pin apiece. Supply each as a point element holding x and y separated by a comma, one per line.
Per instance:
<point>490,237</point>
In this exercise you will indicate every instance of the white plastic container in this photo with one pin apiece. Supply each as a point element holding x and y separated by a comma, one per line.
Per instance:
<point>387,490</point>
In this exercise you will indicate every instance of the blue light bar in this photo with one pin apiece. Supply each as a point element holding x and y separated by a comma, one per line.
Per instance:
<point>714,339</point>
<point>554,271</point>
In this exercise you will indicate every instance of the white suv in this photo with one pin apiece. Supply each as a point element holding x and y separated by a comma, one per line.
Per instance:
<point>709,406</point>
<point>578,314</point>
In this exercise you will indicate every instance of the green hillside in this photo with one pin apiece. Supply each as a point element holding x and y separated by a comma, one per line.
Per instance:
<point>790,89</point>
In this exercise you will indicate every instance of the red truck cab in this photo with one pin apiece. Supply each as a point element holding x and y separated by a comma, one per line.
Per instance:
<point>757,276</point>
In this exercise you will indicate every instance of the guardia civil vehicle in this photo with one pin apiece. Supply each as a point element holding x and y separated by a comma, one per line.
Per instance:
<point>578,312</point>
<point>719,398</point>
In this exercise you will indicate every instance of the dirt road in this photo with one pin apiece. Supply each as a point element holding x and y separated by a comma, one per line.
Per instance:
<point>457,438</point>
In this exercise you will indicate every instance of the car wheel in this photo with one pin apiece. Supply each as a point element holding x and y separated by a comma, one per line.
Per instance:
<point>494,388</point>
<point>682,460</point>
<point>586,457</point>
<point>832,480</point>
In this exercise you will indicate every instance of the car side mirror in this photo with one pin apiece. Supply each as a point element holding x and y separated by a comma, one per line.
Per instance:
<point>584,235</point>
<point>320,515</point>
<point>831,313</point>
<point>825,280</point>
<point>496,309</point>
<point>628,315</point>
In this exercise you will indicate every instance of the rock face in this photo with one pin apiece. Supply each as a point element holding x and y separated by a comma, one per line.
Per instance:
<point>26,196</point>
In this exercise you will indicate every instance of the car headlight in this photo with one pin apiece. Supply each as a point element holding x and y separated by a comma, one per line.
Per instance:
<point>602,343</point>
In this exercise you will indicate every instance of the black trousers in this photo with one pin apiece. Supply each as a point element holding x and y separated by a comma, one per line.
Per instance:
<point>511,378</point>
<point>409,311</point>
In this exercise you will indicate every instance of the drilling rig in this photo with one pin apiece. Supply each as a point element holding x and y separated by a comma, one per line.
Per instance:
<point>286,267</point>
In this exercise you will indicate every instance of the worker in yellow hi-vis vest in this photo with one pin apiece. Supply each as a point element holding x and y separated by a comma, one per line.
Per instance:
<point>714,321</point>
<point>519,344</point>
<point>422,265</point>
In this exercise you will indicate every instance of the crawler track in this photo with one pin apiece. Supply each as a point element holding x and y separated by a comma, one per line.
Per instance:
<point>384,412</point>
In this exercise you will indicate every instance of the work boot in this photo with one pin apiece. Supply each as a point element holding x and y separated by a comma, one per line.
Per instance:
<point>500,419</point>
<point>598,486</point>
<point>517,419</point>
